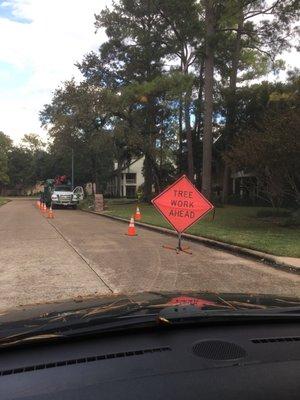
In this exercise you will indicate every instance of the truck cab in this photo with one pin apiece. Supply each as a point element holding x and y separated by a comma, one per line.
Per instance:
<point>63,195</point>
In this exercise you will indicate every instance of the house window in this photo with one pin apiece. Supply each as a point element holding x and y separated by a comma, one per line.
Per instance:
<point>130,178</point>
<point>130,191</point>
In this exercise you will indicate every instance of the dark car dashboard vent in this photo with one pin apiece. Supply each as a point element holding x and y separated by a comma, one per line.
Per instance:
<point>83,360</point>
<point>276,339</point>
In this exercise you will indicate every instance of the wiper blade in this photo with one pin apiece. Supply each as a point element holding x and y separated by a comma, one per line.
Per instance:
<point>189,314</point>
<point>66,320</point>
<point>79,328</point>
<point>91,323</point>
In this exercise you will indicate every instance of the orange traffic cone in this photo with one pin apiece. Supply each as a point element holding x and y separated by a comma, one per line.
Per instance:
<point>50,213</point>
<point>44,209</point>
<point>131,228</point>
<point>38,204</point>
<point>137,215</point>
<point>41,206</point>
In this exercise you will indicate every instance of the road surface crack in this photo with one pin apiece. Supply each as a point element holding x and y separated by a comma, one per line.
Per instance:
<point>84,259</point>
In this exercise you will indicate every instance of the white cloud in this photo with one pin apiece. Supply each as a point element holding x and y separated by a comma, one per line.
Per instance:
<point>58,34</point>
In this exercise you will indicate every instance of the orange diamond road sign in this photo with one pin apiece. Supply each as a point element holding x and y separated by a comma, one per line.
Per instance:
<point>182,204</point>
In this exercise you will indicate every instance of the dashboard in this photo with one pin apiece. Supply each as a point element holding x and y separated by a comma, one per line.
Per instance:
<point>250,361</point>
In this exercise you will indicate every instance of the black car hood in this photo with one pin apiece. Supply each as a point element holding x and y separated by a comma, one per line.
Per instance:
<point>32,317</point>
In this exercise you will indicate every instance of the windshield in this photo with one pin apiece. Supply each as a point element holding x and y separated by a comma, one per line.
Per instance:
<point>177,123</point>
<point>62,189</point>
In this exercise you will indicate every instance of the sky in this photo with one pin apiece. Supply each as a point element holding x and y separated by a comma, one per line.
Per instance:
<point>41,40</point>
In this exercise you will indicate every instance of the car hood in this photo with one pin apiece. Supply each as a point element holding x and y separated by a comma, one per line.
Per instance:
<point>62,193</point>
<point>13,321</point>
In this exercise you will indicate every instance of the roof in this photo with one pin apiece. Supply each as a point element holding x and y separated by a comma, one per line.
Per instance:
<point>131,163</point>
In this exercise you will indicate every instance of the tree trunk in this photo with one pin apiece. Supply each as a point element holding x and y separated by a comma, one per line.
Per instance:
<point>231,105</point>
<point>187,120</point>
<point>199,109</point>
<point>149,145</point>
<point>148,174</point>
<point>189,138</point>
<point>149,149</point>
<point>199,123</point>
<point>95,174</point>
<point>226,182</point>
<point>180,137</point>
<point>156,178</point>
<point>208,95</point>
<point>119,179</point>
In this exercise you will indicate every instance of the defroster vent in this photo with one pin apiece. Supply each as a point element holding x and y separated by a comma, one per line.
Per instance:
<point>276,339</point>
<point>82,360</point>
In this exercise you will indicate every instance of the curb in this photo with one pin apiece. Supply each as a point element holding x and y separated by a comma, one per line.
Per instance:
<point>265,258</point>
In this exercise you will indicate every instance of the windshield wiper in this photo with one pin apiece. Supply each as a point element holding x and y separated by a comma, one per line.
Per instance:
<point>83,325</point>
<point>138,318</point>
<point>189,314</point>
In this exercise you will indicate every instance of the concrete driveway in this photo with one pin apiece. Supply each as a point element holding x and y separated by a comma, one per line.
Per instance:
<point>80,254</point>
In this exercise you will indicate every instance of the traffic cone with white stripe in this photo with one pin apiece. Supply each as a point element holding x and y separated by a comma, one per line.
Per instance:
<point>50,213</point>
<point>131,228</point>
<point>44,209</point>
<point>38,204</point>
<point>137,215</point>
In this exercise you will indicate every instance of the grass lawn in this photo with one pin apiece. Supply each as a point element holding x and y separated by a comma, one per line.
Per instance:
<point>2,201</point>
<point>232,224</point>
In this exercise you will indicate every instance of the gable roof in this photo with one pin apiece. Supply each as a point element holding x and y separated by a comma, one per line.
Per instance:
<point>130,163</point>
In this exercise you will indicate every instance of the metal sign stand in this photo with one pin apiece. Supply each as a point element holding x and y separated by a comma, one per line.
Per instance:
<point>179,247</point>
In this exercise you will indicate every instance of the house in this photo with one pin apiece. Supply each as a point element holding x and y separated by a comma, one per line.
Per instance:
<point>244,184</point>
<point>131,179</point>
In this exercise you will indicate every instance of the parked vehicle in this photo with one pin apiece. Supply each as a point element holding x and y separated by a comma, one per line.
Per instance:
<point>63,195</point>
<point>58,194</point>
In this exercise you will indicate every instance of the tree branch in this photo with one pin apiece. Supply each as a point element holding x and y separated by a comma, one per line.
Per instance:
<point>261,51</point>
<point>262,12</point>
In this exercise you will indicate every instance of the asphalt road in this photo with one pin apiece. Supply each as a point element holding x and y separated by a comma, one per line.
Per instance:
<point>79,254</point>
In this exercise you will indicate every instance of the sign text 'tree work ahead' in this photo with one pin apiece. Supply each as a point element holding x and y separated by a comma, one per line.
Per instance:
<point>182,204</point>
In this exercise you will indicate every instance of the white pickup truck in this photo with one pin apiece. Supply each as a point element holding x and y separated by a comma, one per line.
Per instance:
<point>63,195</point>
